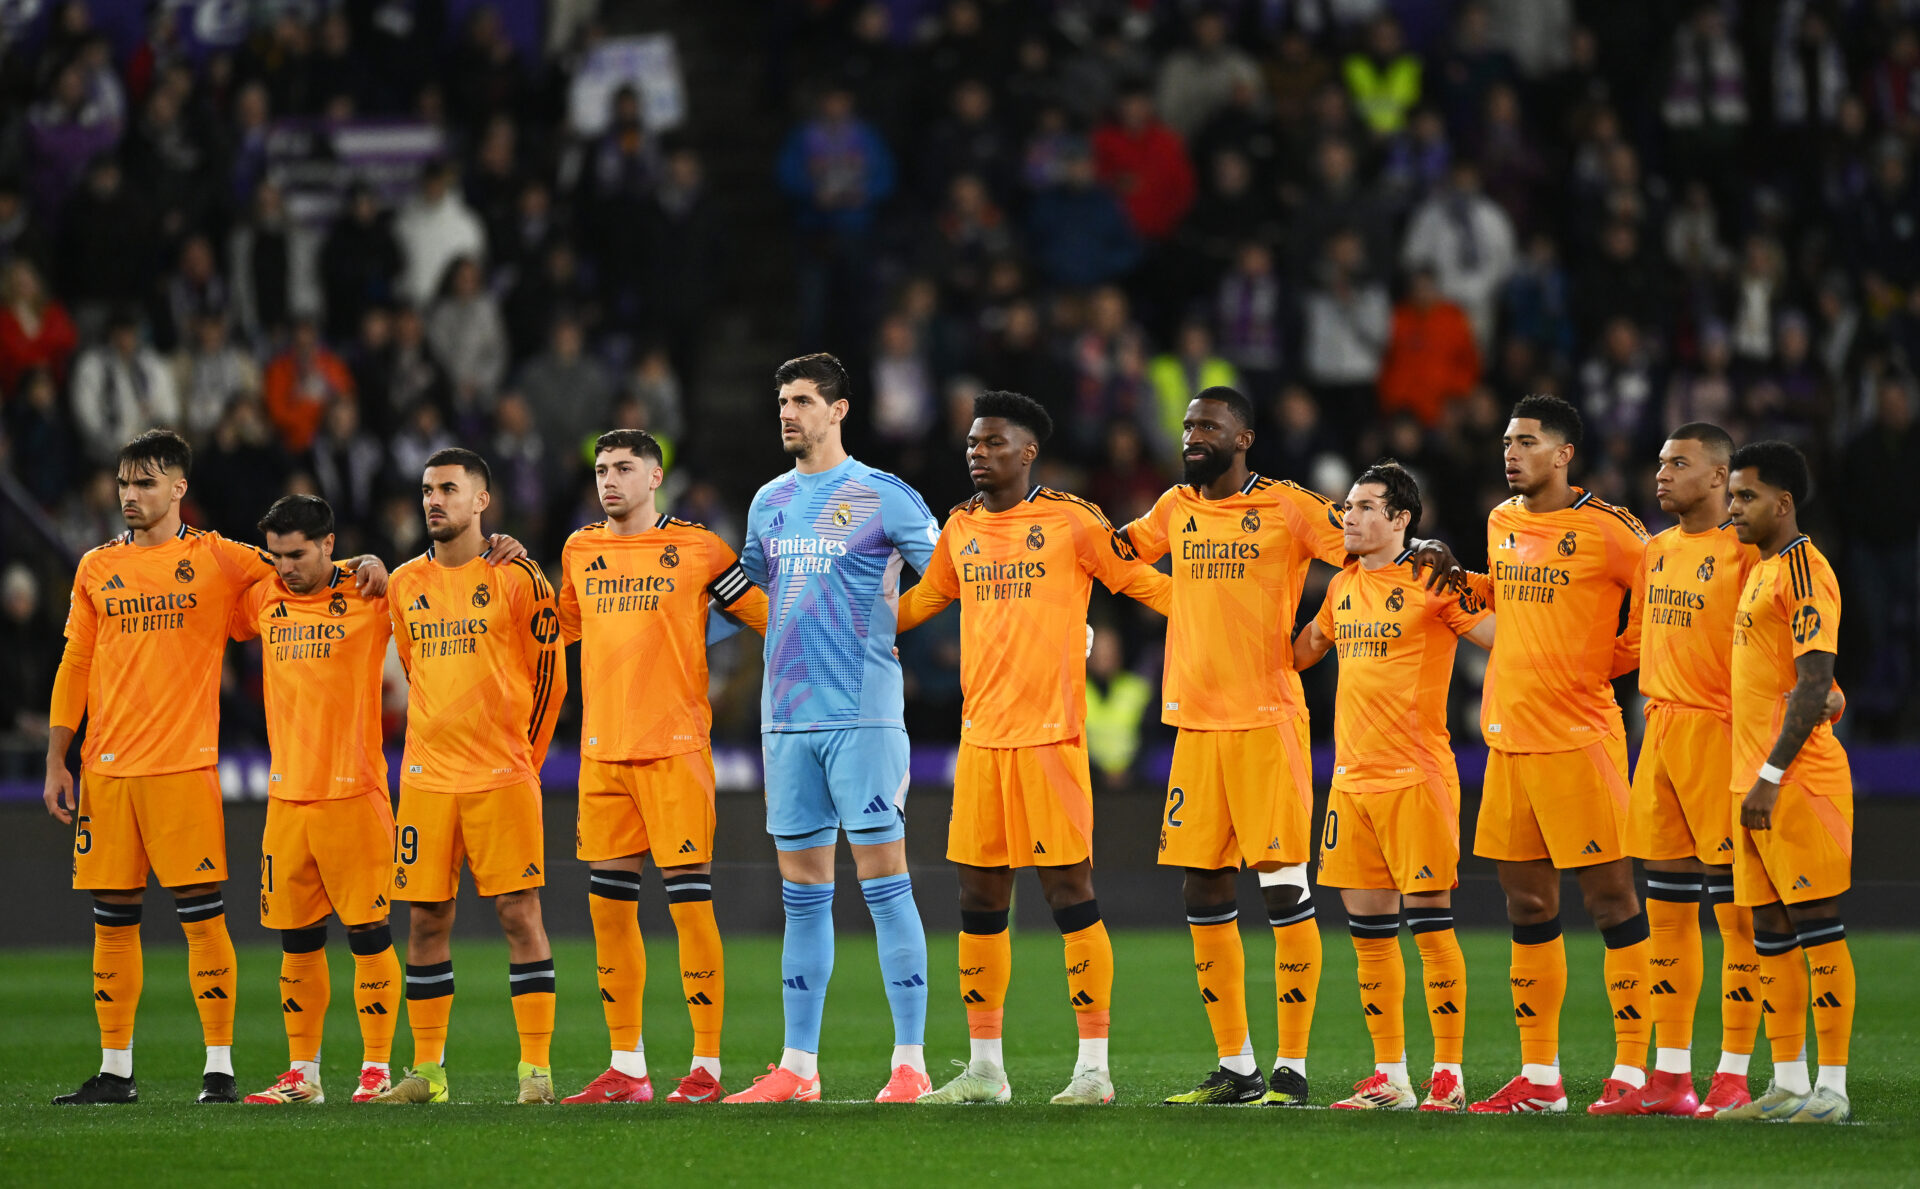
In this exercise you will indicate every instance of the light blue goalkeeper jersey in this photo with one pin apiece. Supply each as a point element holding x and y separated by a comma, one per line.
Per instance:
<point>827,549</point>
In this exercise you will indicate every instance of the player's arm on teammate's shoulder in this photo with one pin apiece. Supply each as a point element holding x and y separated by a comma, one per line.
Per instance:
<point>1806,709</point>
<point>397,618</point>
<point>1107,555</point>
<point>939,585</point>
<point>1147,536</point>
<point>1628,558</point>
<point>544,651</point>
<point>70,697</point>
<point>1467,615</point>
<point>1481,633</point>
<point>1314,640</point>
<point>244,623</point>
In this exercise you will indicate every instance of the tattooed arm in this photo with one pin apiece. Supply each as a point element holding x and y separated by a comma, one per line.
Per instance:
<point>1807,708</point>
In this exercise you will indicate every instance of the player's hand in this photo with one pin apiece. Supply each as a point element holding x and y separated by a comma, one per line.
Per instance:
<point>369,575</point>
<point>1756,810</point>
<point>1836,705</point>
<point>1089,639</point>
<point>59,794</point>
<point>502,549</point>
<point>1437,557</point>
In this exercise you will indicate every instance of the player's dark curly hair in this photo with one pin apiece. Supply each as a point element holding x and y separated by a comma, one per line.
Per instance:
<point>158,450</point>
<point>642,443</point>
<point>1017,407</point>
<point>1402,493</point>
<point>308,515</point>
<point>1780,465</point>
<point>1233,398</point>
<point>1555,416</point>
<point>457,456</point>
<point>826,372</point>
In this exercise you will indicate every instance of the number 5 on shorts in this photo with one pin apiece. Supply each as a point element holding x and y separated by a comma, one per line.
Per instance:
<point>82,837</point>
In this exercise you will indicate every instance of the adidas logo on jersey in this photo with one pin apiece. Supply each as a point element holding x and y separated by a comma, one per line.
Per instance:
<point>699,999</point>
<point>1446,1009</point>
<point>1509,543</point>
<point>1663,987</point>
<point>213,993</point>
<point>973,997</point>
<point>1522,1012</point>
<point>1591,848</point>
<point>877,805</point>
<point>1081,1000</point>
<point>114,583</point>
<point>598,563</point>
<point>1293,995</point>
<point>972,547</point>
<point>280,612</point>
<point>532,870</point>
<point>1626,1013</point>
<point>1346,604</point>
<point>289,1007</point>
<point>207,865</point>
<point>1373,1010</point>
<point>1740,995</point>
<point>419,604</point>
<point>102,997</point>
<point>1659,565</point>
<point>798,982</point>
<point>1802,882</point>
<point>687,847</point>
<point>1828,1000</point>
<point>1038,849</point>
<point>1725,844</point>
<point>913,980</point>
<point>373,1009</point>
<point>1191,526</point>
<point>1425,873</point>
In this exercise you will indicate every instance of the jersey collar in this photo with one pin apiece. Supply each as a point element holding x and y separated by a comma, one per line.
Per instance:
<point>1252,478</point>
<point>1792,545</point>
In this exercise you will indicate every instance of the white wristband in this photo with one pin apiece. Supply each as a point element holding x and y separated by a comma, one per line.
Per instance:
<point>1772,774</point>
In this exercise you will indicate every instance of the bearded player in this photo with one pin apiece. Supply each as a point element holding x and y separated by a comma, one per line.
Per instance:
<point>1022,560</point>
<point>146,633</point>
<point>634,592</point>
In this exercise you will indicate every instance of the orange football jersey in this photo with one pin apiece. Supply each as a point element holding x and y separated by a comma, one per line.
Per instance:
<point>146,634</point>
<point>638,606</point>
<point>1022,577</point>
<point>485,671</point>
<point>1790,607</point>
<point>1689,583</point>
<point>320,655</point>
<point>1238,567</point>
<point>1395,640</point>
<point>1557,583</point>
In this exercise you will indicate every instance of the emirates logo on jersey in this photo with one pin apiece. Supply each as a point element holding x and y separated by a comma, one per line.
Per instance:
<point>670,556</point>
<point>1705,571</point>
<point>1397,599</point>
<point>337,605</point>
<point>1036,539</point>
<point>1250,523</point>
<point>183,572</point>
<point>480,596</point>
<point>843,516</point>
<point>1568,544</point>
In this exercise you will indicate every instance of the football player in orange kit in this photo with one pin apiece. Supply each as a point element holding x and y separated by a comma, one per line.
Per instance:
<point>486,675</point>
<point>1793,848</point>
<point>146,635</point>
<point>329,838</point>
<point>1563,565</point>
<point>1392,829</point>
<point>1021,559</point>
<point>635,590</point>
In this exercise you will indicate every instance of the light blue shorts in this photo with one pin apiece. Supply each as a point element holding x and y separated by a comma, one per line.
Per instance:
<point>822,782</point>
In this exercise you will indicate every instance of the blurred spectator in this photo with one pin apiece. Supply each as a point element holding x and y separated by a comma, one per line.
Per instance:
<point>22,235</point>
<point>1110,378</point>
<point>1078,229</point>
<point>422,432</point>
<point>1232,209</point>
<point>1884,230</point>
<point>654,386</point>
<point>1385,79</point>
<point>94,518</point>
<point>1704,392</point>
<point>39,445</point>
<point>1347,322</point>
<point>1895,83</point>
<point>347,462</point>
<point>465,331</point>
<point>1538,33</point>
<point>240,472</point>
<point>29,655</point>
<point>878,69</point>
<point>520,468</point>
<point>1144,162</point>
<point>555,281</point>
<point>1247,308</point>
<point>106,248</point>
<point>1431,357</point>
<point>1883,553</point>
<point>300,384</point>
<point>968,141</point>
<point>619,174</point>
<point>71,128</point>
<point>1468,243</point>
<point>1469,71</point>
<point>210,371</point>
<point>196,290</point>
<point>686,255</point>
<point>1624,282</point>
<point>168,163</point>
<point>120,388</point>
<point>903,384</point>
<point>1756,297</point>
<point>1198,80</point>
<point>260,255</point>
<point>433,228</point>
<point>1117,704</point>
<point>569,394</point>
<point>1127,481</point>
<point>359,263</point>
<point>1335,200</point>
<point>837,171</point>
<point>1619,390</point>
<point>1704,104</point>
<point>35,331</point>
<point>972,235</point>
<point>1176,375</point>
<point>1536,302</point>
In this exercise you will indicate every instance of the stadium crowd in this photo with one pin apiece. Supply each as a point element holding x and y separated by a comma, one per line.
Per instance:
<point>1384,220</point>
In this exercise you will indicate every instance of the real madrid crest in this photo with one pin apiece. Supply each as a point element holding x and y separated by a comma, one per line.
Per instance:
<point>670,556</point>
<point>184,571</point>
<point>1705,571</point>
<point>1035,538</point>
<point>480,596</point>
<point>843,515</point>
<point>1250,523</point>
<point>1397,599</point>
<point>1568,544</point>
<point>337,605</point>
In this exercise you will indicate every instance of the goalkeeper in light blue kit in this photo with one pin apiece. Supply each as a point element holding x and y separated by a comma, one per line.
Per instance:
<point>826,541</point>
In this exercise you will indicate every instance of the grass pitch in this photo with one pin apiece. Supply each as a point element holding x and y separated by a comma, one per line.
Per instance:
<point>1160,1044</point>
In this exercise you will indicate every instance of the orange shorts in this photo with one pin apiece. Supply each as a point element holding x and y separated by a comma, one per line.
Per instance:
<point>1406,840</point>
<point>1022,806</point>
<point>173,825</point>
<point>1567,806</point>
<point>498,833</point>
<point>1807,855</point>
<point>1680,807</point>
<point>320,857</point>
<point>635,806</point>
<point>1239,796</point>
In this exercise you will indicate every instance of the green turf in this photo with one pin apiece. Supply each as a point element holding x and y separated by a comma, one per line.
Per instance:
<point>1160,1044</point>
